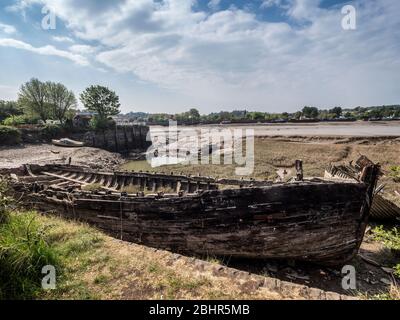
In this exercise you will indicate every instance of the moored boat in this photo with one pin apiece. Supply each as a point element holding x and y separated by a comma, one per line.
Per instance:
<point>314,219</point>
<point>65,142</point>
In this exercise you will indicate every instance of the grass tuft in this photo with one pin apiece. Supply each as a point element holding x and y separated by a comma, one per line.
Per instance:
<point>24,251</point>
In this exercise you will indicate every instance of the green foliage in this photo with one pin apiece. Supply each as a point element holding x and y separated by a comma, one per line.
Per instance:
<point>9,109</point>
<point>9,135</point>
<point>20,120</point>
<point>33,97</point>
<point>337,112</point>
<point>395,172</point>
<point>24,251</point>
<point>101,100</point>
<point>391,238</point>
<point>51,131</point>
<point>14,121</point>
<point>4,201</point>
<point>48,100</point>
<point>60,99</point>
<point>310,112</point>
<point>237,116</point>
<point>98,123</point>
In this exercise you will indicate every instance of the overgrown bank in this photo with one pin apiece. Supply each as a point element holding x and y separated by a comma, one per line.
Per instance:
<point>93,266</point>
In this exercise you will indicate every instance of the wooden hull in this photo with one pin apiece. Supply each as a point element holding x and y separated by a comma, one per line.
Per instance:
<point>381,209</point>
<point>317,221</point>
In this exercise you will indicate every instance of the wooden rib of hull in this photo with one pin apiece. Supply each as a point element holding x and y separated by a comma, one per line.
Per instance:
<point>316,221</point>
<point>382,209</point>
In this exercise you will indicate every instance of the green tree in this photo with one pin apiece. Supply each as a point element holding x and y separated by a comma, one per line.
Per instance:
<point>32,96</point>
<point>101,100</point>
<point>9,109</point>
<point>337,111</point>
<point>310,112</point>
<point>194,114</point>
<point>297,115</point>
<point>60,99</point>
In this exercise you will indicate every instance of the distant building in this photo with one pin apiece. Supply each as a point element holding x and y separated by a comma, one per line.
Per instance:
<point>121,119</point>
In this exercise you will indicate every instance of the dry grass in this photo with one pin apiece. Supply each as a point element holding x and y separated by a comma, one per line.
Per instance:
<point>95,266</point>
<point>273,153</point>
<point>394,292</point>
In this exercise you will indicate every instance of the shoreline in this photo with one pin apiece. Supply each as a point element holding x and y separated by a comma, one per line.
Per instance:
<point>355,129</point>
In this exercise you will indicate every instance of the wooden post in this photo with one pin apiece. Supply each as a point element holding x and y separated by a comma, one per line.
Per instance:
<point>299,170</point>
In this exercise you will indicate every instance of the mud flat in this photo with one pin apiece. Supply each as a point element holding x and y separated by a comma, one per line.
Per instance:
<point>334,129</point>
<point>13,157</point>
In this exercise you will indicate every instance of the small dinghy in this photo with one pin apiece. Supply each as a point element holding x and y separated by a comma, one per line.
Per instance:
<point>67,143</point>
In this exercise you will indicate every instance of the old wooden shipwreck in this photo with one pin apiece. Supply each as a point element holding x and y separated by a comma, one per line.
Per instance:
<point>382,209</point>
<point>317,220</point>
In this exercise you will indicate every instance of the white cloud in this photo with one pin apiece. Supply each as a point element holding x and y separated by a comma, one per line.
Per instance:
<point>82,49</point>
<point>8,29</point>
<point>270,3</point>
<point>63,39</point>
<point>231,58</point>
<point>46,50</point>
<point>214,4</point>
<point>305,9</point>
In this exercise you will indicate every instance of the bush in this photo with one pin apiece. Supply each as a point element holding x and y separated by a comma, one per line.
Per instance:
<point>20,120</point>
<point>100,124</point>
<point>51,131</point>
<point>9,135</point>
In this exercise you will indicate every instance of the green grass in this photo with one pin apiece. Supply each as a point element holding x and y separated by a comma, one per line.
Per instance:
<point>24,251</point>
<point>395,173</point>
<point>391,240</point>
<point>30,241</point>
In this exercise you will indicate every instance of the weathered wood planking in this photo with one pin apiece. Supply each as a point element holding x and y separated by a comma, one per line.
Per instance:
<point>318,221</point>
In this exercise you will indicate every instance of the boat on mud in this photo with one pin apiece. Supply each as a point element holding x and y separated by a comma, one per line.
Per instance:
<point>309,219</point>
<point>67,143</point>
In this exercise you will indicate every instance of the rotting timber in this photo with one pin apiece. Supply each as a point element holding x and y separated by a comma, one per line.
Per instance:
<point>382,209</point>
<point>317,220</point>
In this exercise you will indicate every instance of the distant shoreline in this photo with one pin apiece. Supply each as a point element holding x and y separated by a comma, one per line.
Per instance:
<point>359,129</point>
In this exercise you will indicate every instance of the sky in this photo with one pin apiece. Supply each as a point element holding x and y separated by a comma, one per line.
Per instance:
<point>172,55</point>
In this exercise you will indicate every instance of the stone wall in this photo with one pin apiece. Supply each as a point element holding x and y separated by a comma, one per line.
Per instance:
<point>122,139</point>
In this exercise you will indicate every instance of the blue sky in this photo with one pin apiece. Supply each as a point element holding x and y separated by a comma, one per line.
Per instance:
<point>170,55</point>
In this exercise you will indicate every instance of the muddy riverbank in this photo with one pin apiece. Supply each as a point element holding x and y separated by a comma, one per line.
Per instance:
<point>14,157</point>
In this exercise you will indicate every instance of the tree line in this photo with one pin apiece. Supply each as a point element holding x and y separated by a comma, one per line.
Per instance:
<point>307,113</point>
<point>42,101</point>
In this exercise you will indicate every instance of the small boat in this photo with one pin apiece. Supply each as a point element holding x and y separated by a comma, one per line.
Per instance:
<point>310,219</point>
<point>65,142</point>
